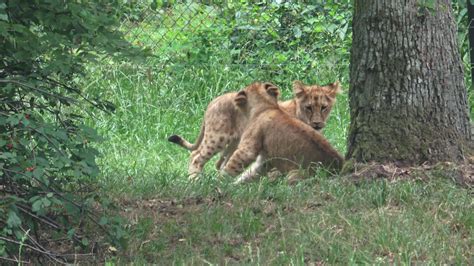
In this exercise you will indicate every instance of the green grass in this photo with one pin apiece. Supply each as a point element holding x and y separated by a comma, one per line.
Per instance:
<point>323,219</point>
<point>136,149</point>
<point>329,220</point>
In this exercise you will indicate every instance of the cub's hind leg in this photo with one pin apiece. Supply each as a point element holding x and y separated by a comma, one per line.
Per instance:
<point>226,153</point>
<point>209,147</point>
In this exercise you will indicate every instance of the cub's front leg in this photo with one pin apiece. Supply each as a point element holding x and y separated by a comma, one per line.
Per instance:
<point>253,171</point>
<point>246,153</point>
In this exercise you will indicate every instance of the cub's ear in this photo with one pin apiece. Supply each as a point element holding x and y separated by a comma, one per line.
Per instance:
<point>240,99</point>
<point>298,89</point>
<point>335,88</point>
<point>271,89</point>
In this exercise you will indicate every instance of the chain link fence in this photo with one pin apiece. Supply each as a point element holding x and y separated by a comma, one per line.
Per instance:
<point>266,40</point>
<point>273,40</point>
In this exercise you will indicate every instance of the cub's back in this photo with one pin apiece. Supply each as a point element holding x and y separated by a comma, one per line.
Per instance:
<point>288,141</point>
<point>223,116</point>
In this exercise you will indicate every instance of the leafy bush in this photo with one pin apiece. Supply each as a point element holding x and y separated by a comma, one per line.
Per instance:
<point>48,170</point>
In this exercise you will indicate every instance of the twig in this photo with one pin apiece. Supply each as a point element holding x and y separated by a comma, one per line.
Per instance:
<point>14,260</point>
<point>33,240</point>
<point>78,92</point>
<point>47,221</point>
<point>41,182</point>
<point>88,213</point>
<point>47,253</point>
<point>67,87</point>
<point>23,209</point>
<point>36,89</point>
<point>49,140</point>
<point>62,255</point>
<point>44,251</point>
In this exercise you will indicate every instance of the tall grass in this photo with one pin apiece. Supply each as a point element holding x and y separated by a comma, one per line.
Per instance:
<point>169,93</point>
<point>148,111</point>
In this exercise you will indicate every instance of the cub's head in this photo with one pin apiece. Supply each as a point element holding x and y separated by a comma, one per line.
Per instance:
<point>314,102</point>
<point>257,95</point>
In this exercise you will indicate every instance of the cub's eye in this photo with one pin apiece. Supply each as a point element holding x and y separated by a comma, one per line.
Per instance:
<point>308,108</point>
<point>324,107</point>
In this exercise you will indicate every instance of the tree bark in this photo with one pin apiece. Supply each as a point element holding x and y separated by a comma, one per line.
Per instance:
<point>407,95</point>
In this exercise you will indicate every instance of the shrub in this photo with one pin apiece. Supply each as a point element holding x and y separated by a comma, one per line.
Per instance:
<point>48,171</point>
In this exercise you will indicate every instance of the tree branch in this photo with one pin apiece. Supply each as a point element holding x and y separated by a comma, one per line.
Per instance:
<point>14,260</point>
<point>49,254</point>
<point>37,89</point>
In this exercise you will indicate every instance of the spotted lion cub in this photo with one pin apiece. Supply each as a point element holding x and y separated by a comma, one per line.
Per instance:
<point>277,139</point>
<point>224,122</point>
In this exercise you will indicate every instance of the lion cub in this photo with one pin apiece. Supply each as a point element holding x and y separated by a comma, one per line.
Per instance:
<point>224,123</point>
<point>279,140</point>
<point>312,103</point>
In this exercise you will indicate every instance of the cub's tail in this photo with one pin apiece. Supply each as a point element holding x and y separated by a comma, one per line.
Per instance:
<point>186,144</point>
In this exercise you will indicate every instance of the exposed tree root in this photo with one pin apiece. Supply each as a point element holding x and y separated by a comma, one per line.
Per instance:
<point>461,173</point>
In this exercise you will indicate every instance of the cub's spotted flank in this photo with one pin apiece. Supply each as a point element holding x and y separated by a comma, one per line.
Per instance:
<point>220,131</point>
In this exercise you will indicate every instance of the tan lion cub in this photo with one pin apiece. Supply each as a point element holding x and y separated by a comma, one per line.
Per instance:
<point>224,123</point>
<point>279,140</point>
<point>312,103</point>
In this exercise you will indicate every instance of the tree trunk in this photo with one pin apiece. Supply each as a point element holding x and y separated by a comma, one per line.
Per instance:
<point>407,95</point>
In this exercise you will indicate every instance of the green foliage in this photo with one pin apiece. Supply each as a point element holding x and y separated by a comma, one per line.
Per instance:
<point>48,169</point>
<point>461,17</point>
<point>287,37</point>
<point>201,51</point>
<point>266,41</point>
